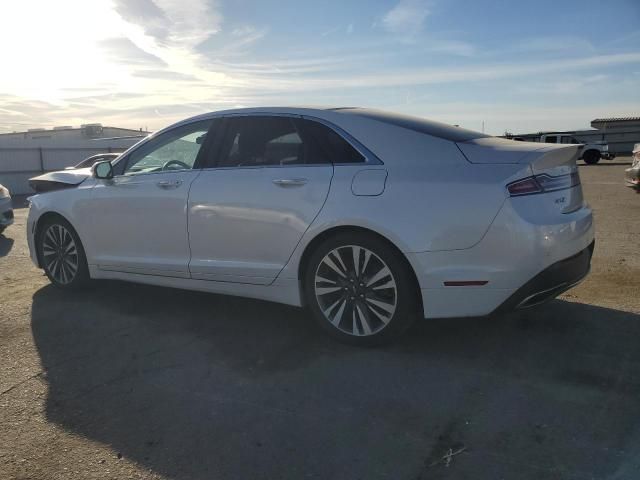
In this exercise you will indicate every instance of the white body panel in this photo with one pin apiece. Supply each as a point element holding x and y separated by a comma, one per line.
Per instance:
<point>247,234</point>
<point>142,223</point>
<point>442,203</point>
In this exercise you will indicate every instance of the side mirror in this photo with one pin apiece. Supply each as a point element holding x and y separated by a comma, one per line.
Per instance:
<point>103,170</point>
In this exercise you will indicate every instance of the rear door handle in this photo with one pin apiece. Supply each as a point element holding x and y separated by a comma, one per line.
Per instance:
<point>169,184</point>
<point>290,182</point>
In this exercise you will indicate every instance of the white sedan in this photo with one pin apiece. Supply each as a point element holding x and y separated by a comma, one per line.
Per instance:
<point>370,219</point>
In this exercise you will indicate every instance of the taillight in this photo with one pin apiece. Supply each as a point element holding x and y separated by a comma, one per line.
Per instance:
<point>526,186</point>
<point>543,183</point>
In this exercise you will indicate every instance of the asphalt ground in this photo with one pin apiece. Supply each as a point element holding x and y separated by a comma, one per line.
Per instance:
<point>131,381</point>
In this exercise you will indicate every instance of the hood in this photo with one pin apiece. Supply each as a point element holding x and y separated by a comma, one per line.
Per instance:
<point>60,179</point>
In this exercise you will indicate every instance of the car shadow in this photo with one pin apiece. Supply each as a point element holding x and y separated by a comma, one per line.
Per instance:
<point>6,244</point>
<point>194,385</point>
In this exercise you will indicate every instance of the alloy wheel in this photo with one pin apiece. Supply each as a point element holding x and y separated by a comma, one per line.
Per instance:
<point>356,290</point>
<point>60,253</point>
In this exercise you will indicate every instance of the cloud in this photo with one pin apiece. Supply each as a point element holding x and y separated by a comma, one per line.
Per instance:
<point>176,22</point>
<point>165,75</point>
<point>246,35</point>
<point>564,87</point>
<point>235,43</point>
<point>551,44</point>
<point>442,75</point>
<point>123,51</point>
<point>453,47</point>
<point>146,14</point>
<point>406,18</point>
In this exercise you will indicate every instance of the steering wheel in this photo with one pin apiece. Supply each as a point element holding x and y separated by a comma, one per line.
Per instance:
<point>167,166</point>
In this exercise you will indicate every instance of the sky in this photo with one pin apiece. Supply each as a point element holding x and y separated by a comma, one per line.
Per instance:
<point>508,65</point>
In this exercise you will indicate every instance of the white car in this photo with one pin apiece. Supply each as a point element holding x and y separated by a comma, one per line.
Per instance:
<point>591,152</point>
<point>368,218</point>
<point>6,209</point>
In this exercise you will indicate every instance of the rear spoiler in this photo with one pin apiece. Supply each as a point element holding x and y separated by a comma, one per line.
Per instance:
<point>501,150</point>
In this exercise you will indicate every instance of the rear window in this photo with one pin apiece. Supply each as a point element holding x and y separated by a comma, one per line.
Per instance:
<point>435,129</point>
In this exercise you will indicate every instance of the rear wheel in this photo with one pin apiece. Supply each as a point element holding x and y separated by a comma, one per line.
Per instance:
<point>591,157</point>
<point>61,254</point>
<point>360,289</point>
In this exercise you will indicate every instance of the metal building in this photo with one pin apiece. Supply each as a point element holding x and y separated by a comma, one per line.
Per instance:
<point>621,133</point>
<point>26,154</point>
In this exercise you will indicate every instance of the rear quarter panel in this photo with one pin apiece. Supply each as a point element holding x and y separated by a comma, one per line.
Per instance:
<point>434,199</point>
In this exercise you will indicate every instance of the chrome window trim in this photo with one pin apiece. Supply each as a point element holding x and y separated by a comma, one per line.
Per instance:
<point>259,167</point>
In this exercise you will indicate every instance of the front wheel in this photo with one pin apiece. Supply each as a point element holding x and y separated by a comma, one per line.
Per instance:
<point>61,254</point>
<point>591,157</point>
<point>361,290</point>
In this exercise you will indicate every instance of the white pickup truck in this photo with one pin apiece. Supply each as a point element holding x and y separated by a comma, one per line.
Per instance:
<point>591,152</point>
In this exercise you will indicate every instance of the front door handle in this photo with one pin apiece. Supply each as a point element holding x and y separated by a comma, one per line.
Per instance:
<point>290,182</point>
<point>169,184</point>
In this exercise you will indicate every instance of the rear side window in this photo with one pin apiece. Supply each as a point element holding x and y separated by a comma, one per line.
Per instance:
<point>262,141</point>
<point>328,146</point>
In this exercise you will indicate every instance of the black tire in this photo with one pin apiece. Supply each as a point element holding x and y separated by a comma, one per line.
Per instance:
<point>362,302</point>
<point>51,237</point>
<point>591,157</point>
<point>2,229</point>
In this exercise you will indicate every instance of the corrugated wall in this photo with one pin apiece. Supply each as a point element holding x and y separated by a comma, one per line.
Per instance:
<point>18,164</point>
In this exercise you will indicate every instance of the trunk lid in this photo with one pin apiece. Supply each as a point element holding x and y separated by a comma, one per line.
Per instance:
<point>502,150</point>
<point>552,166</point>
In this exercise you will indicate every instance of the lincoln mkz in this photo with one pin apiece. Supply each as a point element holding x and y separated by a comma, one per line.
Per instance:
<point>369,219</point>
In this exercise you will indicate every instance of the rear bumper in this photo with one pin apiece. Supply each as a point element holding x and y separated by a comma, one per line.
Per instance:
<point>525,240</point>
<point>551,282</point>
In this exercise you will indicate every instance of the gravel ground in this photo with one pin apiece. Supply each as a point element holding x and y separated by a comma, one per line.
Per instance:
<point>130,381</point>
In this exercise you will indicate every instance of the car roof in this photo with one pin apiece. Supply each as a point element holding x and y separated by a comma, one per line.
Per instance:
<point>334,114</point>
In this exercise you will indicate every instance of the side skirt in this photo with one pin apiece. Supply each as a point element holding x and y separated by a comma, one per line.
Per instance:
<point>284,291</point>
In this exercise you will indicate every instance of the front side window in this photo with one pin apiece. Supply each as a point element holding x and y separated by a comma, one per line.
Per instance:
<point>262,141</point>
<point>551,139</point>
<point>172,151</point>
